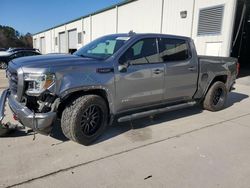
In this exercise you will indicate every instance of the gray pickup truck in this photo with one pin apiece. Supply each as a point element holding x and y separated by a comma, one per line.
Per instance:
<point>118,77</point>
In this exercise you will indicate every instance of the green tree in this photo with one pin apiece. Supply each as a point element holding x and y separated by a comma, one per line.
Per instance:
<point>9,37</point>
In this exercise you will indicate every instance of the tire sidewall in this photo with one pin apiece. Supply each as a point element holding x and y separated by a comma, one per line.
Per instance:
<point>77,132</point>
<point>209,105</point>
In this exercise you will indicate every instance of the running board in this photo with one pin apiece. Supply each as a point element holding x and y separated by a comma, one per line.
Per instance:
<point>156,111</point>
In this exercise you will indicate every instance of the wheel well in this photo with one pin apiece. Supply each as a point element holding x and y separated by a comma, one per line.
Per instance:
<point>72,96</point>
<point>222,78</point>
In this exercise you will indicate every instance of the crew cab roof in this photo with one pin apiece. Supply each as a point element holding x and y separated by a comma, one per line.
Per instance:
<point>134,35</point>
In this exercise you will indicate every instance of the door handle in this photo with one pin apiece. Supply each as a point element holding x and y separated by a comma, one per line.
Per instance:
<point>158,71</point>
<point>192,68</point>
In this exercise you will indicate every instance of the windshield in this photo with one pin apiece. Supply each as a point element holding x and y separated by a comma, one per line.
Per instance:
<point>102,48</point>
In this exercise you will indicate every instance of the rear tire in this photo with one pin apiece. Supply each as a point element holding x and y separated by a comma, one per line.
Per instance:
<point>85,119</point>
<point>216,97</point>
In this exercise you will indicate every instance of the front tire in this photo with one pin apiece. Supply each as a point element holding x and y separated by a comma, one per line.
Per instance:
<point>216,97</point>
<point>85,119</point>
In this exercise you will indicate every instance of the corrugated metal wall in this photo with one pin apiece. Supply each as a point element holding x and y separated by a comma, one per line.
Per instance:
<point>149,16</point>
<point>172,21</point>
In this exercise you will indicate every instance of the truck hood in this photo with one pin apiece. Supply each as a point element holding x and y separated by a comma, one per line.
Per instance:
<point>46,61</point>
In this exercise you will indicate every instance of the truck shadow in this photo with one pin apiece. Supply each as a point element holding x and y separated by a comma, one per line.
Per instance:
<point>141,124</point>
<point>120,128</point>
<point>117,129</point>
<point>234,98</point>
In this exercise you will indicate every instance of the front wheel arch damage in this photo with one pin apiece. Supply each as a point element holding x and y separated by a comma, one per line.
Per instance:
<point>72,96</point>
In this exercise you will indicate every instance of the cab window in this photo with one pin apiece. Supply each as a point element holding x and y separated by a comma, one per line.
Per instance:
<point>142,52</point>
<point>171,49</point>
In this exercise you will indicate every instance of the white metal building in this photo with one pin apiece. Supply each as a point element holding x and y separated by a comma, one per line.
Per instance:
<point>215,25</point>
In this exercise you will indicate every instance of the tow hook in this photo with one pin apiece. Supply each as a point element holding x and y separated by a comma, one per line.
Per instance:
<point>15,117</point>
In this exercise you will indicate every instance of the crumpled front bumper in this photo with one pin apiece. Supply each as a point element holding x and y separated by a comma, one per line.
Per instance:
<point>40,122</point>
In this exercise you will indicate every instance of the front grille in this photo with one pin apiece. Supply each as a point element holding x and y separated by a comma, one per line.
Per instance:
<point>13,81</point>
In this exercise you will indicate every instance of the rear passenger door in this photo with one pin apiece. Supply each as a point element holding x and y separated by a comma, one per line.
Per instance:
<point>142,82</point>
<point>181,69</point>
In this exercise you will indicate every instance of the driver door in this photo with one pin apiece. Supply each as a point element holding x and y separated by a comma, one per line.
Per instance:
<point>141,82</point>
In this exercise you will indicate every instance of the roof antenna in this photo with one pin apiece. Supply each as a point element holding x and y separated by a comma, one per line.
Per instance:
<point>131,33</point>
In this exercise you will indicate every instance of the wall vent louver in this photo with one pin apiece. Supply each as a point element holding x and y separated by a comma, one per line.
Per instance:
<point>210,21</point>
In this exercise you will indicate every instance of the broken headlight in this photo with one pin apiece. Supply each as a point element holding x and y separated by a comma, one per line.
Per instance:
<point>38,83</point>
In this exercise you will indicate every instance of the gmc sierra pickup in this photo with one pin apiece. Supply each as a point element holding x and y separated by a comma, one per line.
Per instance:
<point>119,76</point>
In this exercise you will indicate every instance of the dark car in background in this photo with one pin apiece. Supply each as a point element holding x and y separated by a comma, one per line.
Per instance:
<point>22,49</point>
<point>7,56</point>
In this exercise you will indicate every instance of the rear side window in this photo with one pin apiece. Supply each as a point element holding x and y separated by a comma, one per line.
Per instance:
<point>173,49</point>
<point>142,52</point>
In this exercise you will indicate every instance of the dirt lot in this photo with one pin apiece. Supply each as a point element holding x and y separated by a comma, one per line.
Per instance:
<point>187,148</point>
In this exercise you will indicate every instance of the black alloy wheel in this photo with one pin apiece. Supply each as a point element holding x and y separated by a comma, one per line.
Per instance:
<point>218,94</point>
<point>91,119</point>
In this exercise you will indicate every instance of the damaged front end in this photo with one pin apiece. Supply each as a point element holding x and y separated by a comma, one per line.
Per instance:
<point>30,116</point>
<point>36,106</point>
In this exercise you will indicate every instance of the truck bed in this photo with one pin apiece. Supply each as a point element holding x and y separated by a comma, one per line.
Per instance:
<point>212,66</point>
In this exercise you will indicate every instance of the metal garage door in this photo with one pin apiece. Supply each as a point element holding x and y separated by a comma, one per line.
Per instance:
<point>72,37</point>
<point>42,45</point>
<point>62,43</point>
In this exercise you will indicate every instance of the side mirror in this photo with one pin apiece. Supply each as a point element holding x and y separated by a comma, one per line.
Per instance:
<point>123,67</point>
